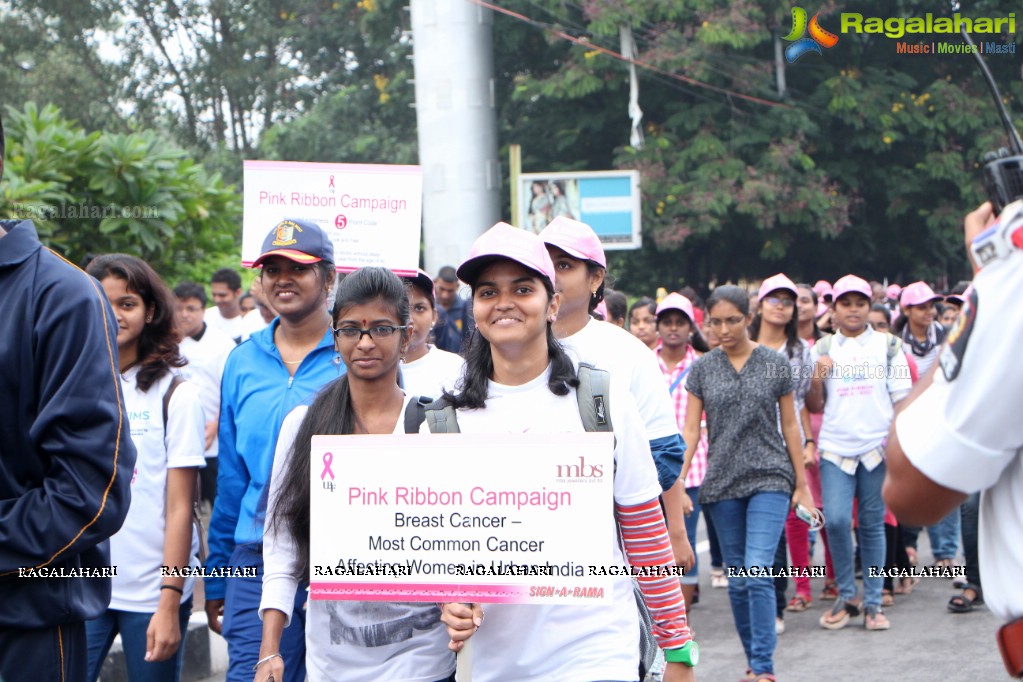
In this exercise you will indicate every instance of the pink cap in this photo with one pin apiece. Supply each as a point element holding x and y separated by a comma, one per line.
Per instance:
<point>851,284</point>
<point>574,238</point>
<point>917,293</point>
<point>822,288</point>
<point>601,310</point>
<point>675,301</point>
<point>776,282</point>
<point>504,241</point>
<point>893,291</point>
<point>956,298</point>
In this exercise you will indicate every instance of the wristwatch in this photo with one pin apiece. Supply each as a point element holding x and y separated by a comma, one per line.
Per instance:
<point>688,654</point>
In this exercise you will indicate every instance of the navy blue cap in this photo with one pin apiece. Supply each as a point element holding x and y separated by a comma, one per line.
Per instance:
<point>297,240</point>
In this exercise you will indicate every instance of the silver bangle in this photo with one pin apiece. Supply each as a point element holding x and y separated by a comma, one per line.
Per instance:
<point>264,660</point>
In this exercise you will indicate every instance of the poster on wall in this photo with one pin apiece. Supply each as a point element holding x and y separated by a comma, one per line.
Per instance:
<point>372,213</point>
<point>607,201</point>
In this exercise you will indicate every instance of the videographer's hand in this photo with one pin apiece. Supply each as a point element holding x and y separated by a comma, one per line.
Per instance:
<point>976,222</point>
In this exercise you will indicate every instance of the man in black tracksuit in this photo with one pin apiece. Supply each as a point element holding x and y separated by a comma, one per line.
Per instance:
<point>66,456</point>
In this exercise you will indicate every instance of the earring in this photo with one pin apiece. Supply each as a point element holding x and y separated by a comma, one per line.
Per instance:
<point>337,358</point>
<point>149,318</point>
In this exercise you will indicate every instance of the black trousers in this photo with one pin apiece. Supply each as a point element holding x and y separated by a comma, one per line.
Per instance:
<point>56,654</point>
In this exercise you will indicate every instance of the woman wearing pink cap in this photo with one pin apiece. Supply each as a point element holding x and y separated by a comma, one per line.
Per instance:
<point>681,345</point>
<point>917,327</point>
<point>580,267</point>
<point>776,326</point>
<point>518,378</point>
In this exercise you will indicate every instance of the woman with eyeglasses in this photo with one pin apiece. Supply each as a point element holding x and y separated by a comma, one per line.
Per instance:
<point>267,376</point>
<point>754,473</point>
<point>349,640</point>
<point>775,326</point>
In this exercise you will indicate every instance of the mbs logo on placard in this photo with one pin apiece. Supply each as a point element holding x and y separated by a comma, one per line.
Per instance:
<point>817,39</point>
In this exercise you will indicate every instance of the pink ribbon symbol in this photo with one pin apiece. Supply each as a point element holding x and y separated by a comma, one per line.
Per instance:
<point>328,458</point>
<point>331,180</point>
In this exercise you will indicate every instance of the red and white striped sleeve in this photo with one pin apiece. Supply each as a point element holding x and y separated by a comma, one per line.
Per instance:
<point>646,544</point>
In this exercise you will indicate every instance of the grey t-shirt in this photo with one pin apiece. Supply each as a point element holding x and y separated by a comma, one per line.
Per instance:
<point>746,454</point>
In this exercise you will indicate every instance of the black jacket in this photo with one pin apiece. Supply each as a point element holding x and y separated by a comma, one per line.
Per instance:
<point>66,456</point>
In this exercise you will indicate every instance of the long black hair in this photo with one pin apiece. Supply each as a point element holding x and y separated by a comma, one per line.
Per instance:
<point>479,364</point>
<point>817,333</point>
<point>158,349</point>
<point>331,411</point>
<point>732,294</point>
<point>793,344</point>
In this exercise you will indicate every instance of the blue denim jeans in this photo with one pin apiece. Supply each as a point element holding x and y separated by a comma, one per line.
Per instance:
<point>748,529</point>
<point>132,626</point>
<point>243,628</point>
<point>839,489</point>
<point>944,536</point>
<point>692,575</point>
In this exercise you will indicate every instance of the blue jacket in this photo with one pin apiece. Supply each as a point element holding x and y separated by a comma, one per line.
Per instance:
<point>66,458</point>
<point>256,394</point>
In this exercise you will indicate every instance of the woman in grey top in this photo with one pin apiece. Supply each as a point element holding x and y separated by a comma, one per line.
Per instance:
<point>754,475</point>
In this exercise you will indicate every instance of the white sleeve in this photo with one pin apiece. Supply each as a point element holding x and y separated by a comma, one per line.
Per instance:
<point>635,479</point>
<point>185,437</point>
<point>815,354</point>
<point>652,398</point>
<point>964,432</point>
<point>280,558</point>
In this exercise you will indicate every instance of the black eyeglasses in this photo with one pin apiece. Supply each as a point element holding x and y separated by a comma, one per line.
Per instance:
<point>381,331</point>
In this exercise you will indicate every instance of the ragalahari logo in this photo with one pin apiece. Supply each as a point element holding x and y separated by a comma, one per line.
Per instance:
<point>818,36</point>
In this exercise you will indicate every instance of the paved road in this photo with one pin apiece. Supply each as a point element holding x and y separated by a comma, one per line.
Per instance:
<point>926,642</point>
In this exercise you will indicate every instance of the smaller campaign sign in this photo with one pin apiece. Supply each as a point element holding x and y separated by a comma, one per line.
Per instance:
<point>372,213</point>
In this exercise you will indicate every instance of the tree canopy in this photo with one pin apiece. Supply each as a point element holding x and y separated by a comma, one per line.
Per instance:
<point>859,159</point>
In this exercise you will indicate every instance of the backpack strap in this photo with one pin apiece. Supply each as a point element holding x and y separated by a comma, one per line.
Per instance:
<point>894,346</point>
<point>593,396</point>
<point>415,413</point>
<point>176,381</point>
<point>824,344</point>
<point>441,416</point>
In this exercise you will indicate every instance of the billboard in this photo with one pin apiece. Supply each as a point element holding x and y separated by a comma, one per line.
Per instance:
<point>607,201</point>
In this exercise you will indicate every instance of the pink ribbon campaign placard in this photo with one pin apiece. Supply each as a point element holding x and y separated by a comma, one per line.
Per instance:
<point>372,213</point>
<point>526,518</point>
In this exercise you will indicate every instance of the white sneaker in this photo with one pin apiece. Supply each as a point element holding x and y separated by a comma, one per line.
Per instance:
<point>718,578</point>
<point>779,626</point>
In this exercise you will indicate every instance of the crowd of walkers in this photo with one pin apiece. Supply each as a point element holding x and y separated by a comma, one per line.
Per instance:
<point>756,408</point>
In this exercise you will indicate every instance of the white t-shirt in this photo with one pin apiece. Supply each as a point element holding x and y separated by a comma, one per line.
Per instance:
<point>351,640</point>
<point>860,392</point>
<point>431,374</point>
<point>233,328</point>
<point>137,548</point>
<point>205,368</point>
<point>623,355</point>
<point>252,322</point>
<point>966,433</point>
<point>532,642</point>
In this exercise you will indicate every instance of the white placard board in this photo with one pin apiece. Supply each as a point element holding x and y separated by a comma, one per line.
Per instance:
<point>520,518</point>
<point>373,213</point>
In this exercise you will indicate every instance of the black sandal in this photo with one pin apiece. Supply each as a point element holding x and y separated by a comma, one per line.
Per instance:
<point>960,603</point>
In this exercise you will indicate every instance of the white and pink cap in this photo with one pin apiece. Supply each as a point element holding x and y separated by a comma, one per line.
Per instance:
<point>851,284</point>
<point>775,283</point>
<point>893,291</point>
<point>917,293</point>
<point>822,288</point>
<point>504,241</point>
<point>574,238</point>
<point>675,301</point>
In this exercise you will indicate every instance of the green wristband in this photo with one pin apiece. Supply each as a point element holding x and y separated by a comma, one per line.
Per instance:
<point>689,654</point>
